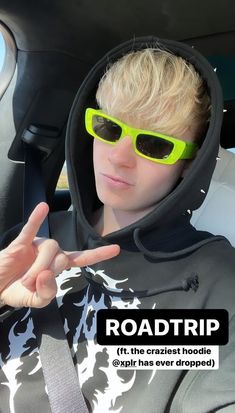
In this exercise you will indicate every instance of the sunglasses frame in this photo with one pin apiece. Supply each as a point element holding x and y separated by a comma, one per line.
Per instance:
<point>181,149</point>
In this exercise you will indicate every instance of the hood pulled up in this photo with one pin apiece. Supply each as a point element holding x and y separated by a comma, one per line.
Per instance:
<point>189,193</point>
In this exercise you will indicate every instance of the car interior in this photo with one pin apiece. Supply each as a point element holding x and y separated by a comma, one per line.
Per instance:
<point>51,46</point>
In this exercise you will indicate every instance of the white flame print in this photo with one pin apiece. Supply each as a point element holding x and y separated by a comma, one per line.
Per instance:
<point>113,386</point>
<point>103,400</point>
<point>12,367</point>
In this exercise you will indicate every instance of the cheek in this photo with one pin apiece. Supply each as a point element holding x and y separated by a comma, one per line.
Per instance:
<point>96,149</point>
<point>99,153</point>
<point>171,173</point>
<point>158,176</point>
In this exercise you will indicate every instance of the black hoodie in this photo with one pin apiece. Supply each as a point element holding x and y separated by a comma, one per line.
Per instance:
<point>158,252</point>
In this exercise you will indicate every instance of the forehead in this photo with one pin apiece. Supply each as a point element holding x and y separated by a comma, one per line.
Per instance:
<point>133,120</point>
<point>139,122</point>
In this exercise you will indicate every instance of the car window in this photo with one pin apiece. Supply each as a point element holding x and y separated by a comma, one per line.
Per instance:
<point>7,58</point>
<point>63,179</point>
<point>2,51</point>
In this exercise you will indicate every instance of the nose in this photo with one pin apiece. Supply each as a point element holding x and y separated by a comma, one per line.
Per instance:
<point>122,154</point>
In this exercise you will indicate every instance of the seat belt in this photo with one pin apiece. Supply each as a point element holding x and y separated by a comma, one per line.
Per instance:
<point>59,372</point>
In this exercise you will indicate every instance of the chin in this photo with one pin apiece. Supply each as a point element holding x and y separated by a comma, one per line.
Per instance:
<point>114,204</point>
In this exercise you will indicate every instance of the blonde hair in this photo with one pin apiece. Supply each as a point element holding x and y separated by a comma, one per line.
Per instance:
<point>156,90</point>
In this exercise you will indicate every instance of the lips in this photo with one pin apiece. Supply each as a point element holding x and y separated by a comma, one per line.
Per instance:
<point>116,180</point>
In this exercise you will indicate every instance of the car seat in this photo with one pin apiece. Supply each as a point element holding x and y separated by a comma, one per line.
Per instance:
<point>217,213</point>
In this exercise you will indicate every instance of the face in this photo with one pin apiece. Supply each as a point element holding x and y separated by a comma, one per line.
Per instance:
<point>127,182</point>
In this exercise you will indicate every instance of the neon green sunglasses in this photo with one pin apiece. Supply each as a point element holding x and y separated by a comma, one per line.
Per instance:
<point>153,146</point>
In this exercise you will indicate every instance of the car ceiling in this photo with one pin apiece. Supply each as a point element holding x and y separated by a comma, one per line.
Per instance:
<point>58,41</point>
<point>86,29</point>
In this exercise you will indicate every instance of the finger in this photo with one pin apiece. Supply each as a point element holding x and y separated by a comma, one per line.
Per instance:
<point>30,229</point>
<point>59,263</point>
<point>46,254</point>
<point>89,257</point>
<point>46,288</point>
<point>17,295</point>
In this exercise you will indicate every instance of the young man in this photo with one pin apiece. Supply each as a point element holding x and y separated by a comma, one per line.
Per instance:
<point>156,135</point>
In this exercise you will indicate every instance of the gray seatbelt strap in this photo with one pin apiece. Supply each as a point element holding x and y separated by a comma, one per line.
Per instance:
<point>59,372</point>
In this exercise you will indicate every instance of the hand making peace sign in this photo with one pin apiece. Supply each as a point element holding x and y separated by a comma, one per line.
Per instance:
<point>29,265</point>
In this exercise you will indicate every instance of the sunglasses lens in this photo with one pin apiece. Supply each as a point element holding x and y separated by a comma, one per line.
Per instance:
<point>106,129</point>
<point>153,146</point>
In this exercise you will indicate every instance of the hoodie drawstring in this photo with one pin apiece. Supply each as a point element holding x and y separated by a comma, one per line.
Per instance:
<point>170,255</point>
<point>187,284</point>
